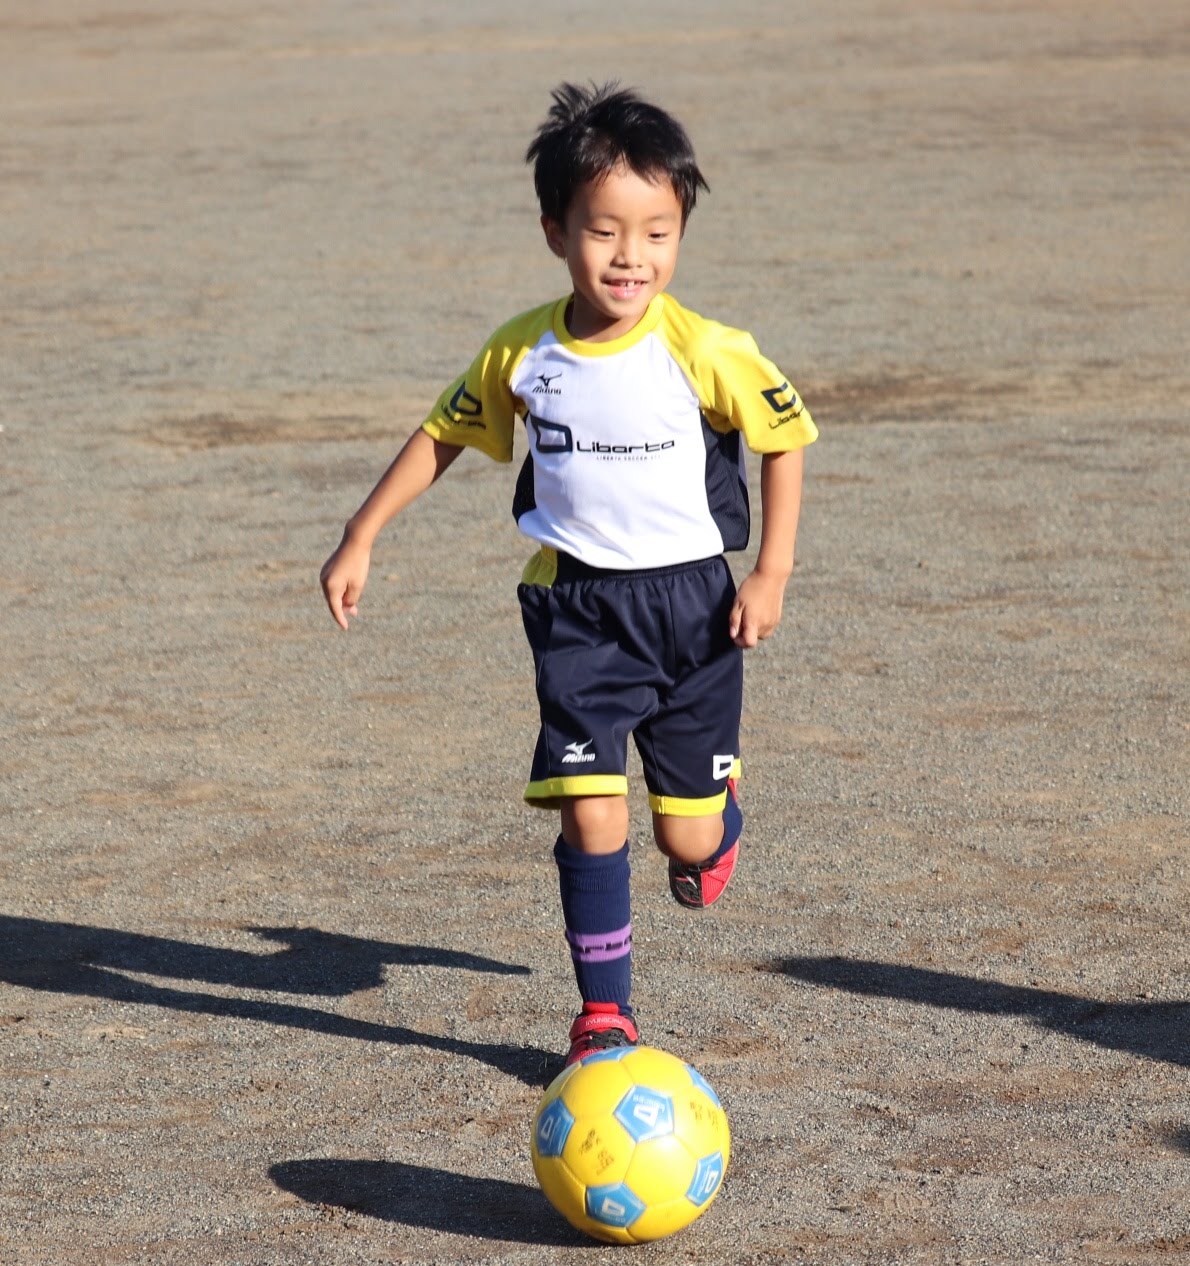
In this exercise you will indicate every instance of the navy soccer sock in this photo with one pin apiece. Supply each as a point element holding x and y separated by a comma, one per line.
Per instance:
<point>597,911</point>
<point>733,826</point>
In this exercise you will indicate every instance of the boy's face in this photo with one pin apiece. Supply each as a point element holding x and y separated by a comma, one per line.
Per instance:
<point>620,242</point>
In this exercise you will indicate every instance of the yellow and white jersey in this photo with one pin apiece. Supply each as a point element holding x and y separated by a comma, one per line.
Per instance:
<point>635,457</point>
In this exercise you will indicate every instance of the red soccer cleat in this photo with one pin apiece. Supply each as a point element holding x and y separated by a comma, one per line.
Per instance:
<point>701,885</point>
<point>600,1026</point>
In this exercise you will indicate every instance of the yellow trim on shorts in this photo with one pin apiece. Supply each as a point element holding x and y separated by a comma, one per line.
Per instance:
<point>551,789</point>
<point>676,807</point>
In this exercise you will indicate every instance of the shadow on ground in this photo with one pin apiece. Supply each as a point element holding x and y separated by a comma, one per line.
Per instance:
<point>1157,1030</point>
<point>416,1195</point>
<point>1179,1139</point>
<point>90,961</point>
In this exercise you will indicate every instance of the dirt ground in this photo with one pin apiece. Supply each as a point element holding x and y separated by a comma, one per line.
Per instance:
<point>281,971</point>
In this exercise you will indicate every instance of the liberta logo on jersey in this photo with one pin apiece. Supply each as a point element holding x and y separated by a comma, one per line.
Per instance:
<point>785,401</point>
<point>597,446</point>
<point>577,754</point>
<point>557,437</point>
<point>552,437</point>
<point>467,410</point>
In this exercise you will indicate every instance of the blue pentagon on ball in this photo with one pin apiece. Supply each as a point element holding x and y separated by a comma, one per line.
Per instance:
<point>707,1176</point>
<point>646,1114</point>
<point>609,1056</point>
<point>705,1086</point>
<point>553,1129</point>
<point>614,1205</point>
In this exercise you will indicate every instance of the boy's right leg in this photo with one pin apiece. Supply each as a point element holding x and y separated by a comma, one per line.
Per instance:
<point>593,875</point>
<point>593,688</point>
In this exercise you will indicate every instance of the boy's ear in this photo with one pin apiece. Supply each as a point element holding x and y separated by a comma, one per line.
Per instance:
<point>555,237</point>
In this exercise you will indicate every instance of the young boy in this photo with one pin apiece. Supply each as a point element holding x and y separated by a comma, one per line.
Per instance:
<point>633,488</point>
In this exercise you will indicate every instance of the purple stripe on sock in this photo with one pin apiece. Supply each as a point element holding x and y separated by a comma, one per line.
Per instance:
<point>600,947</point>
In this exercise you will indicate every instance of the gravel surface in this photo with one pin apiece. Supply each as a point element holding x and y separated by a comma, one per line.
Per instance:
<point>281,972</point>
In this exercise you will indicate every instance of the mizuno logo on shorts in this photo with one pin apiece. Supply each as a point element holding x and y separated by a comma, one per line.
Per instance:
<point>576,753</point>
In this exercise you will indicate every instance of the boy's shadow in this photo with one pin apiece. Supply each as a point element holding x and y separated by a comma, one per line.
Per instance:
<point>417,1195</point>
<point>1180,1139</point>
<point>75,959</point>
<point>1157,1030</point>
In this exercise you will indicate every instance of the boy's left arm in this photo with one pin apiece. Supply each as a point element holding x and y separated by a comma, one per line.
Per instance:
<point>757,608</point>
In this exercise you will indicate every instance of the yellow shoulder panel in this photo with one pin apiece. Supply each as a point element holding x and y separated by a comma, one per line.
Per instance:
<point>479,409</point>
<point>738,387</point>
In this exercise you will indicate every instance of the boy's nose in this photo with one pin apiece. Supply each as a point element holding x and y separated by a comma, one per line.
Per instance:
<point>629,254</point>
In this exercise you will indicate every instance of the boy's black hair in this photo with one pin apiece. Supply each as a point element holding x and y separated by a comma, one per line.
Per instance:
<point>592,131</point>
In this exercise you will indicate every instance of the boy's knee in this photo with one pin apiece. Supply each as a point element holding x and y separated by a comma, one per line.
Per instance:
<point>595,824</point>
<point>688,839</point>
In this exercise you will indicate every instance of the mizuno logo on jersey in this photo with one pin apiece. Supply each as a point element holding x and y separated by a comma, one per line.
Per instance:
<point>543,387</point>
<point>577,754</point>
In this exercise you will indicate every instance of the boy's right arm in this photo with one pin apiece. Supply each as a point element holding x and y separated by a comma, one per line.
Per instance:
<point>414,469</point>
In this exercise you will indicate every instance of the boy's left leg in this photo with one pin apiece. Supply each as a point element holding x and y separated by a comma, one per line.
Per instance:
<point>702,851</point>
<point>690,747</point>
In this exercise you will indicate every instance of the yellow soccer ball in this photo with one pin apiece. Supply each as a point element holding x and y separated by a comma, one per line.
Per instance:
<point>630,1144</point>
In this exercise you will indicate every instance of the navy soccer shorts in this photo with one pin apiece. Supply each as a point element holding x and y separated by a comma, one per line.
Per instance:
<point>645,653</point>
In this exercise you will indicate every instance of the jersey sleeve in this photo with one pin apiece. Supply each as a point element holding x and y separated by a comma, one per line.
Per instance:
<point>751,394</point>
<point>744,390</point>
<point>479,410</point>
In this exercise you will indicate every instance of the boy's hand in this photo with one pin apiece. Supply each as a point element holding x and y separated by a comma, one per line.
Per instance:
<point>343,578</point>
<point>757,609</point>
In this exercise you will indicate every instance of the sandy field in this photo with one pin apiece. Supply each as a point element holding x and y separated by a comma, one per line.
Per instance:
<point>281,968</point>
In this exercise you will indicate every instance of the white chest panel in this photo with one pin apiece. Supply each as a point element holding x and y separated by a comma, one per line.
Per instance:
<point>619,456</point>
